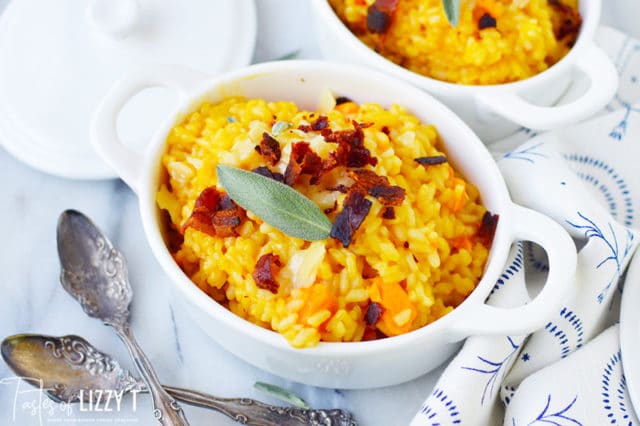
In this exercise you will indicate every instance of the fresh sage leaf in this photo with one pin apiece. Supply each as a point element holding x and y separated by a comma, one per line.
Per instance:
<point>277,204</point>
<point>279,127</point>
<point>281,394</point>
<point>452,10</point>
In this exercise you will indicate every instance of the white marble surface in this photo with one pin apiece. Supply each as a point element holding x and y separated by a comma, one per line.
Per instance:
<point>33,301</point>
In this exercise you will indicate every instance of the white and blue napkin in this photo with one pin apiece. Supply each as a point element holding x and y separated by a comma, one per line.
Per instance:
<point>568,373</point>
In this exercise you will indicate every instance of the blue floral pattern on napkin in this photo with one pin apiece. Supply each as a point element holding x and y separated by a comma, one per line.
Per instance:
<point>585,178</point>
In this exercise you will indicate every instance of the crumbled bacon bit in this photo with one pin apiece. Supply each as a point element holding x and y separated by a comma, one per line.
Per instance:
<point>225,222</point>
<point>486,21</point>
<point>488,228</point>
<point>228,217</point>
<point>389,213</point>
<point>374,313</point>
<point>432,160</point>
<point>200,221</point>
<point>302,161</point>
<point>354,210</point>
<point>320,124</point>
<point>214,214</point>
<point>339,157</point>
<point>209,198</point>
<point>351,151</point>
<point>369,271</point>
<point>226,203</point>
<point>405,244</point>
<point>360,157</point>
<point>385,130</point>
<point>201,218</point>
<point>265,270</point>
<point>378,21</point>
<point>380,15</point>
<point>390,195</point>
<point>342,100</point>
<point>367,178</point>
<point>269,148</point>
<point>266,172</point>
<point>378,187</point>
<point>570,20</point>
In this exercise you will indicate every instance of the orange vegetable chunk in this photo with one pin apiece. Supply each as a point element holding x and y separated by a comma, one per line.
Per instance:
<point>317,297</point>
<point>399,311</point>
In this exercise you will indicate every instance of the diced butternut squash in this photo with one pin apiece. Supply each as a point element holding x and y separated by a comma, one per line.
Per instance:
<point>316,298</point>
<point>399,311</point>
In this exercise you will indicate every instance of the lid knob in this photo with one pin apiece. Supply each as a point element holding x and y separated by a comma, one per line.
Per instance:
<point>113,18</point>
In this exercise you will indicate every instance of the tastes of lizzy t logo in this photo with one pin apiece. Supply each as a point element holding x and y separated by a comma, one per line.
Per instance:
<point>31,404</point>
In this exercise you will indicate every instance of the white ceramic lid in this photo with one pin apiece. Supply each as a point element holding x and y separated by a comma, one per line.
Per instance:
<point>59,58</point>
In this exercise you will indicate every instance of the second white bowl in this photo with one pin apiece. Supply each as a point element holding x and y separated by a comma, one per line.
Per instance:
<point>495,111</point>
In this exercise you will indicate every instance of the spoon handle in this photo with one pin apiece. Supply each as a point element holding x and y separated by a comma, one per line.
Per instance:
<point>165,409</point>
<point>251,412</point>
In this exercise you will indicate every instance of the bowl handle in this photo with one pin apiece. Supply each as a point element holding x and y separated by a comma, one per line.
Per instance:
<point>529,225</point>
<point>126,162</point>
<point>603,78</point>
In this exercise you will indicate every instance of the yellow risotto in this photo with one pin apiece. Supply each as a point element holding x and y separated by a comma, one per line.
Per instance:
<point>495,41</point>
<point>415,256</point>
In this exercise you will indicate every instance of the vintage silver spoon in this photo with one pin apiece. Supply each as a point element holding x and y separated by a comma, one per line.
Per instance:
<point>69,367</point>
<point>95,273</point>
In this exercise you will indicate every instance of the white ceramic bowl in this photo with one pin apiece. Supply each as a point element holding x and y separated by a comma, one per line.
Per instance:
<point>495,111</point>
<point>340,365</point>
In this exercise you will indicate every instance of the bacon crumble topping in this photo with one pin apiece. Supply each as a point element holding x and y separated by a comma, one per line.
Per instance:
<point>389,213</point>
<point>378,187</point>
<point>351,151</point>
<point>265,270</point>
<point>374,313</point>
<point>302,161</point>
<point>215,214</point>
<point>487,21</point>
<point>433,160</point>
<point>269,148</point>
<point>354,210</point>
<point>320,123</point>
<point>487,229</point>
<point>380,15</point>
